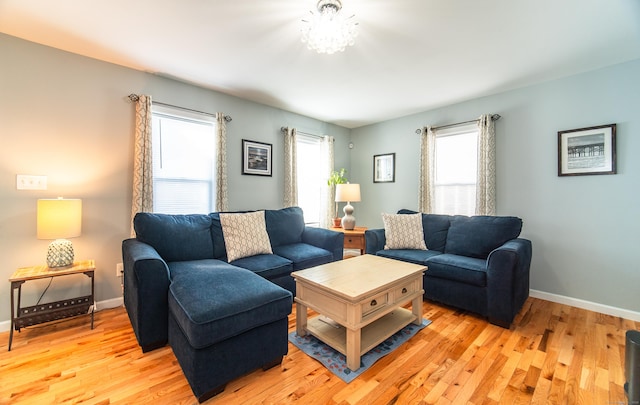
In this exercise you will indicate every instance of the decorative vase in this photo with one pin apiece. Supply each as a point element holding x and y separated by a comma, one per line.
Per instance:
<point>337,222</point>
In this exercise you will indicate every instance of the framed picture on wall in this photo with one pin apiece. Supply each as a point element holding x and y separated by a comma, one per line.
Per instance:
<point>256,158</point>
<point>384,168</point>
<point>587,151</point>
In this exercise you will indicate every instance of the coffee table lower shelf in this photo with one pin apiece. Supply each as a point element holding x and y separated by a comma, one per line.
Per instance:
<point>335,335</point>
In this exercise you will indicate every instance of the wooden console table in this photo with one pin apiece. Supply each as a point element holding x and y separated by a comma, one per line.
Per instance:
<point>41,313</point>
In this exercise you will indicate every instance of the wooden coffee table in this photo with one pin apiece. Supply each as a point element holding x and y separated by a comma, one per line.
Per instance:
<point>359,301</point>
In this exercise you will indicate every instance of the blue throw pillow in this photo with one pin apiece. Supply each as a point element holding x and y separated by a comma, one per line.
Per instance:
<point>285,226</point>
<point>477,236</point>
<point>176,237</point>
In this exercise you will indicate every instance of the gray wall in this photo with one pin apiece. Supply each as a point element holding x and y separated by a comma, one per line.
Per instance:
<point>584,229</point>
<point>68,117</point>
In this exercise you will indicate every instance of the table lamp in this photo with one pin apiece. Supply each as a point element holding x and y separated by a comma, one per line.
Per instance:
<point>59,219</point>
<point>350,193</point>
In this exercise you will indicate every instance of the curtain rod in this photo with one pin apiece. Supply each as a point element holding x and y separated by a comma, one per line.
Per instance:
<point>494,117</point>
<point>284,129</point>
<point>134,97</point>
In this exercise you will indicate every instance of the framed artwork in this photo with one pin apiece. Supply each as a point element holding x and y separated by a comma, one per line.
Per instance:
<point>256,158</point>
<point>384,168</point>
<point>587,151</point>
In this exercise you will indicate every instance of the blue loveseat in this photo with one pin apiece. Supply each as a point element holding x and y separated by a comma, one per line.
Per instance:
<point>222,319</point>
<point>476,263</point>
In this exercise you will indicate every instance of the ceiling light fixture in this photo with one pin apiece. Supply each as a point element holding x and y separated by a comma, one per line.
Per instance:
<point>328,30</point>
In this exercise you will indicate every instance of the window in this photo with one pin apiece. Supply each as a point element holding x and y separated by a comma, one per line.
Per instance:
<point>456,170</point>
<point>311,178</point>
<point>184,159</point>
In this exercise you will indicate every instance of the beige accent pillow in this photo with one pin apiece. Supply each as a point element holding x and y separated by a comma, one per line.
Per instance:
<point>245,235</point>
<point>403,231</point>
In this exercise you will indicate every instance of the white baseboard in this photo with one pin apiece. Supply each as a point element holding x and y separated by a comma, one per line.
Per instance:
<point>591,306</point>
<point>106,304</point>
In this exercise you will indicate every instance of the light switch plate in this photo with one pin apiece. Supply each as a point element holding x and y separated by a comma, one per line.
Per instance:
<point>30,182</point>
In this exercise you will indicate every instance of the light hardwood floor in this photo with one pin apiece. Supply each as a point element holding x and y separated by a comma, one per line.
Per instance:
<point>552,354</point>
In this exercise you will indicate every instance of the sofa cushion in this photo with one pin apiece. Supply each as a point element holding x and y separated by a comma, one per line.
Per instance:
<point>409,255</point>
<point>462,269</point>
<point>285,226</point>
<point>178,268</point>
<point>435,228</point>
<point>267,266</point>
<point>245,234</point>
<point>403,231</point>
<point>211,306</point>
<point>303,255</point>
<point>175,237</point>
<point>219,248</point>
<point>477,236</point>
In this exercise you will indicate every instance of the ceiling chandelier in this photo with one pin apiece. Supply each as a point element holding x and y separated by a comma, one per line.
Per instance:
<point>328,30</point>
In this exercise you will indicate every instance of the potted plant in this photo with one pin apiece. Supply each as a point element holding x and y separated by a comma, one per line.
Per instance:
<point>337,177</point>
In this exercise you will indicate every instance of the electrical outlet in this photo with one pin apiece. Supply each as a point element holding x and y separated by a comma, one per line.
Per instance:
<point>119,270</point>
<point>29,182</point>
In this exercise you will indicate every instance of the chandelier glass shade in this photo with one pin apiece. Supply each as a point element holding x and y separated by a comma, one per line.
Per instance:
<point>328,30</point>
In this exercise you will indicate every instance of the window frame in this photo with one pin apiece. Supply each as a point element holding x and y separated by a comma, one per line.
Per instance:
<point>162,112</point>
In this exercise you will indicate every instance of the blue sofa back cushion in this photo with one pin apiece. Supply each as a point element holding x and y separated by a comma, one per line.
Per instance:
<point>284,226</point>
<point>435,228</point>
<point>219,248</point>
<point>176,237</point>
<point>477,236</point>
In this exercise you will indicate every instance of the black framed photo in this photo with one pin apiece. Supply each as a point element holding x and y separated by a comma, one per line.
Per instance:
<point>587,151</point>
<point>384,168</point>
<point>256,158</point>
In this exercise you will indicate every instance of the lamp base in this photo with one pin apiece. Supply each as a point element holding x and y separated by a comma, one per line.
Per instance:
<point>60,253</point>
<point>348,221</point>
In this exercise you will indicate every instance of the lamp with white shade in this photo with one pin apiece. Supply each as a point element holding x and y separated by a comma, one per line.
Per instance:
<point>348,193</point>
<point>59,219</point>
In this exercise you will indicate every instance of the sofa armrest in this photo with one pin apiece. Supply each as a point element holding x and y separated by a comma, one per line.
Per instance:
<point>326,239</point>
<point>146,288</point>
<point>508,280</point>
<point>374,240</point>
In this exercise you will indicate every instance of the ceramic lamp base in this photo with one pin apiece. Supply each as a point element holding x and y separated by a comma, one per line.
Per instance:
<point>60,253</point>
<point>348,221</point>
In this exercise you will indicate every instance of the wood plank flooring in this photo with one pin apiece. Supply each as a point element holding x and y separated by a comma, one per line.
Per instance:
<point>553,354</point>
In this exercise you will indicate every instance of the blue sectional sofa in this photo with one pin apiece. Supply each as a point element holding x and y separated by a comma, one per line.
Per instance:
<point>222,319</point>
<point>476,263</point>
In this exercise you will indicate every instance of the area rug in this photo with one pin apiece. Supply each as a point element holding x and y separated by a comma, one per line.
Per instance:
<point>336,362</point>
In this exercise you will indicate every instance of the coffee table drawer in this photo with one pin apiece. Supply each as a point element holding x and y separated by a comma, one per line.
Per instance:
<point>375,304</point>
<point>406,290</point>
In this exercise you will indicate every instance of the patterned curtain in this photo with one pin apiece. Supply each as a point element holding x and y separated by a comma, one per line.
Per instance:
<point>426,199</point>
<point>486,183</point>
<point>290,169</point>
<point>142,165</point>
<point>222,196</point>
<point>328,193</point>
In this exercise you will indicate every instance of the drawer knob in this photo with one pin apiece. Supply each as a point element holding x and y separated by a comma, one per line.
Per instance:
<point>374,303</point>
<point>404,290</point>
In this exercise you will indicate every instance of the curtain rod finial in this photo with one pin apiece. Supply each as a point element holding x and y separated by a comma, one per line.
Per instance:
<point>133,97</point>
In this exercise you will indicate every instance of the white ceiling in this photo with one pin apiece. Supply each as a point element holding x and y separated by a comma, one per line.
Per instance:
<point>410,55</point>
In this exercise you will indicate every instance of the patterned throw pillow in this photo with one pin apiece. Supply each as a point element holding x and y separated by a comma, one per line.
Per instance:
<point>245,235</point>
<point>403,231</point>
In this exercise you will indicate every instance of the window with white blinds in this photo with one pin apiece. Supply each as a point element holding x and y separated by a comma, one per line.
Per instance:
<point>311,179</point>
<point>456,170</point>
<point>184,158</point>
